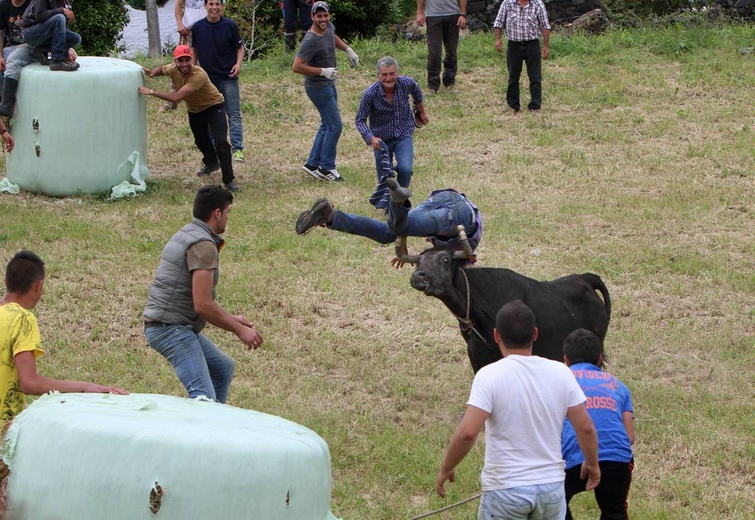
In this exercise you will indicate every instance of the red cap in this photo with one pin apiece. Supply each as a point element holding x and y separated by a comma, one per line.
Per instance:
<point>181,51</point>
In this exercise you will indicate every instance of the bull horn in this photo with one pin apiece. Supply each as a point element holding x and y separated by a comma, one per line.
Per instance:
<point>402,253</point>
<point>467,252</point>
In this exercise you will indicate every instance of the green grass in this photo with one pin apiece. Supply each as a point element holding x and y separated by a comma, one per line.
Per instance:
<point>639,168</point>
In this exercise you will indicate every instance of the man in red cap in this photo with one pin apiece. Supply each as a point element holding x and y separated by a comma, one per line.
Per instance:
<point>206,110</point>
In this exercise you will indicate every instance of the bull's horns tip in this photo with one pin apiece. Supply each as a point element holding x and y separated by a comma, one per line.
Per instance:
<point>467,252</point>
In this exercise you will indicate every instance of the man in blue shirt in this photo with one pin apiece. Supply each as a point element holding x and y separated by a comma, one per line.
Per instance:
<point>386,104</point>
<point>219,49</point>
<point>609,404</point>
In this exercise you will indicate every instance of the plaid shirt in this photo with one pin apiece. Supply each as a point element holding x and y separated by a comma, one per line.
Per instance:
<point>522,23</point>
<point>388,120</point>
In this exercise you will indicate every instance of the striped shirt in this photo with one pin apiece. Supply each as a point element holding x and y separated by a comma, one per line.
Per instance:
<point>388,120</point>
<point>522,23</point>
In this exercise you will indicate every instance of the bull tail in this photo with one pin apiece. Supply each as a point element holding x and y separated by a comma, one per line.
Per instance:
<point>597,284</point>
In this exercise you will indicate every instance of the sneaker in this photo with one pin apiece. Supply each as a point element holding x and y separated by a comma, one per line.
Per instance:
<point>66,66</point>
<point>312,170</point>
<point>207,170</point>
<point>232,186</point>
<point>40,56</point>
<point>399,195</point>
<point>321,213</point>
<point>238,156</point>
<point>329,175</point>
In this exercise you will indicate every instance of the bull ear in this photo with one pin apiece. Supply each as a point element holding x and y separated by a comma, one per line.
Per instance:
<point>466,253</point>
<point>402,253</point>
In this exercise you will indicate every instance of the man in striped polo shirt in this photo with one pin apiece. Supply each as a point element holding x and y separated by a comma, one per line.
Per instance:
<point>523,21</point>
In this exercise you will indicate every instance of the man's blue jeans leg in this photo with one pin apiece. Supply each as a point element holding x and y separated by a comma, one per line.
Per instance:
<point>230,90</point>
<point>540,502</point>
<point>323,151</point>
<point>403,151</point>
<point>200,365</point>
<point>362,226</point>
<point>52,33</point>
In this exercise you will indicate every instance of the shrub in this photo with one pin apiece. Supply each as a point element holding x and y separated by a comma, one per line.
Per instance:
<point>352,18</point>
<point>100,24</point>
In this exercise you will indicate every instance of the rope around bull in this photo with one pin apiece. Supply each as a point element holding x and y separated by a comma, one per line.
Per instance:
<point>457,504</point>
<point>466,321</point>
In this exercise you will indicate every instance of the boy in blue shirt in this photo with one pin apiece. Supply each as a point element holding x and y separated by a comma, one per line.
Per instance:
<point>609,404</point>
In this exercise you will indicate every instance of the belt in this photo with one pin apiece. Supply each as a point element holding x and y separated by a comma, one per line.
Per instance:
<point>148,324</point>
<point>525,42</point>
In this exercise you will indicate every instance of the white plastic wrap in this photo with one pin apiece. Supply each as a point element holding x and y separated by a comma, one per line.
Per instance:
<point>75,130</point>
<point>145,456</point>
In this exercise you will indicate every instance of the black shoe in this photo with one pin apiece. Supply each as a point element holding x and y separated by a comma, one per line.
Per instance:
<point>312,170</point>
<point>232,186</point>
<point>207,170</point>
<point>321,213</point>
<point>399,195</point>
<point>40,56</point>
<point>65,66</point>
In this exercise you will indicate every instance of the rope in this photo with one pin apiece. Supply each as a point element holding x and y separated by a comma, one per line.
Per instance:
<point>466,321</point>
<point>457,504</point>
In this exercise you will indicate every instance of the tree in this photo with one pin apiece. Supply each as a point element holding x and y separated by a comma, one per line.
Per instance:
<point>100,24</point>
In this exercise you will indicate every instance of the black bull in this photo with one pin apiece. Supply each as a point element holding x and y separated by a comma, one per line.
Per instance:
<point>475,296</point>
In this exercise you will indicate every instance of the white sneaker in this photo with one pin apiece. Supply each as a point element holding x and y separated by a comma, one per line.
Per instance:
<point>329,175</point>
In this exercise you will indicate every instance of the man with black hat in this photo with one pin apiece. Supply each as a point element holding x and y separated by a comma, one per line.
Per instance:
<point>206,111</point>
<point>316,61</point>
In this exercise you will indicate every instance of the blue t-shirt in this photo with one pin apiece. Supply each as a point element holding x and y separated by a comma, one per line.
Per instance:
<point>607,400</point>
<point>216,45</point>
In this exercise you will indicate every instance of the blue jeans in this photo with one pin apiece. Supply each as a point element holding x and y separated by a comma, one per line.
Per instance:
<point>53,35</point>
<point>323,151</point>
<point>200,365</point>
<point>403,150</point>
<point>19,58</point>
<point>437,216</point>
<point>540,502</point>
<point>230,90</point>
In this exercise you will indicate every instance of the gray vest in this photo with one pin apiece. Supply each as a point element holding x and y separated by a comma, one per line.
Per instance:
<point>170,296</point>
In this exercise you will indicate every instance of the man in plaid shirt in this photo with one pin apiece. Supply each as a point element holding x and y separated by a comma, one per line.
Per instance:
<point>523,21</point>
<point>386,104</point>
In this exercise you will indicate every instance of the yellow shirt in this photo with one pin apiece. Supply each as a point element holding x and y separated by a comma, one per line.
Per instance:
<point>18,333</point>
<point>204,94</point>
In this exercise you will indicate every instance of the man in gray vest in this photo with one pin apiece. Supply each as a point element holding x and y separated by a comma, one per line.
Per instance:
<point>182,300</point>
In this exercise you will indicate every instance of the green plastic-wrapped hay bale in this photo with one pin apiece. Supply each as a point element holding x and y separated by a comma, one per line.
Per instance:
<point>145,456</point>
<point>76,131</point>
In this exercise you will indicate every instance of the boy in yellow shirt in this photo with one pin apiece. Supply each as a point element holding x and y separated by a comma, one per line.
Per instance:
<point>20,341</point>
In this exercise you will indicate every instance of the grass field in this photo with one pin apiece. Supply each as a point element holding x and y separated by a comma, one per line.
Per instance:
<point>639,168</point>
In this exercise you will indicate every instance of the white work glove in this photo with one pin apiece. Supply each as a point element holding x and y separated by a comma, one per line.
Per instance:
<point>329,72</point>
<point>353,57</point>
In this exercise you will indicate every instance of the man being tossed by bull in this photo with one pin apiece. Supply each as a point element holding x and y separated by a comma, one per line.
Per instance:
<point>437,218</point>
